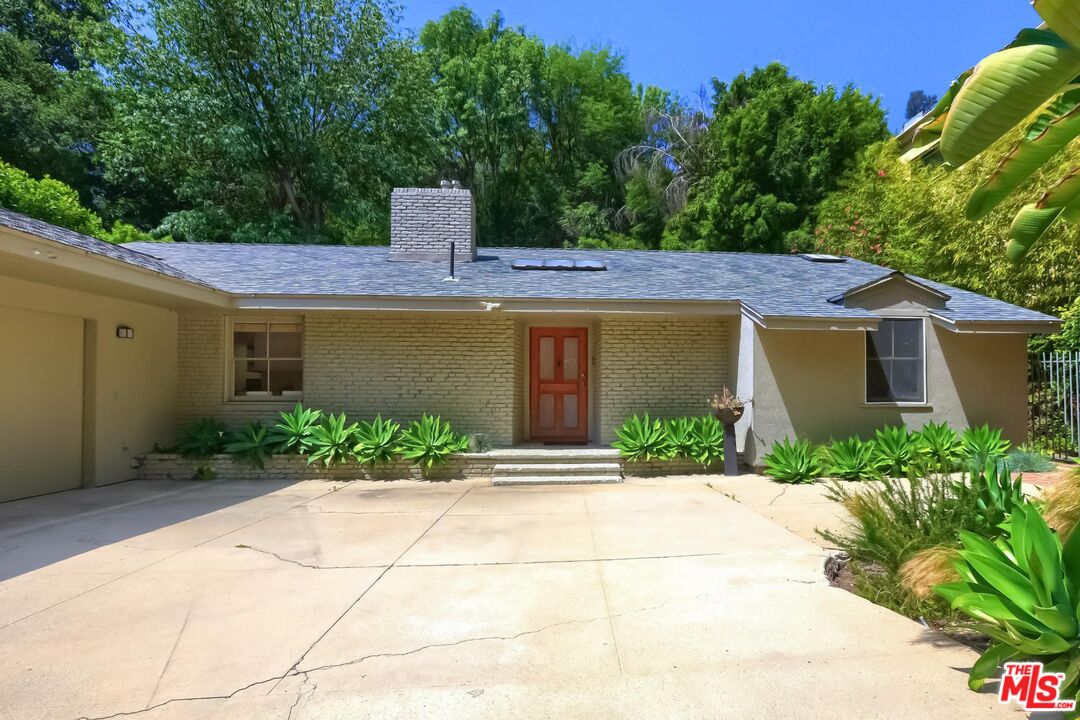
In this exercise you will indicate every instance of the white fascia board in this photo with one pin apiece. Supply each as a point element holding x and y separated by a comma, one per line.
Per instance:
<point>1000,327</point>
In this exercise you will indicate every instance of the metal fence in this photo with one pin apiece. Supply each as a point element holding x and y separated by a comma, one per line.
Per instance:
<point>1054,402</point>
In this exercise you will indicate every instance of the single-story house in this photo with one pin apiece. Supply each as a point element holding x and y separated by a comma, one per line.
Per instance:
<point>109,348</point>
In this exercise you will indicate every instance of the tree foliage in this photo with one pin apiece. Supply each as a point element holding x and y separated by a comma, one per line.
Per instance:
<point>533,129</point>
<point>774,147</point>
<point>910,217</point>
<point>270,121</point>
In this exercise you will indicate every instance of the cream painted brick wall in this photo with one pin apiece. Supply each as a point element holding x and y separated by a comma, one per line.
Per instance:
<point>664,367</point>
<point>465,368</point>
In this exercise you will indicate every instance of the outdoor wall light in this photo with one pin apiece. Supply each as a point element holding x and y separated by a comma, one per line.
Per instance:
<point>125,333</point>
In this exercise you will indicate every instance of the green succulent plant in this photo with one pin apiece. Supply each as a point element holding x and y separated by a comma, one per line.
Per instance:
<point>1023,591</point>
<point>252,445</point>
<point>681,436</point>
<point>430,441</point>
<point>897,449</point>
<point>997,494</point>
<point>979,445</point>
<point>793,462</point>
<point>640,438</point>
<point>708,446</point>
<point>293,432</point>
<point>332,441</point>
<point>940,446</point>
<point>853,459</point>
<point>376,441</point>
<point>202,439</point>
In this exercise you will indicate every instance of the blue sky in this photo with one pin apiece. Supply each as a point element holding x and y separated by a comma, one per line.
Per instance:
<point>886,48</point>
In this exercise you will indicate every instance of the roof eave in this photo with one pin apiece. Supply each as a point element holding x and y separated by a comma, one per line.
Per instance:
<point>1001,327</point>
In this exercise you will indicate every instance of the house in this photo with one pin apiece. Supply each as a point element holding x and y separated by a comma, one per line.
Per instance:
<point>108,348</point>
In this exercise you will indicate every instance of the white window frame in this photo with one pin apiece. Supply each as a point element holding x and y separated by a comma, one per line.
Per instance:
<point>925,361</point>
<point>230,359</point>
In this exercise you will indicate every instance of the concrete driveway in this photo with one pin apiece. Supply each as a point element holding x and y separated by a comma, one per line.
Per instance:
<point>651,599</point>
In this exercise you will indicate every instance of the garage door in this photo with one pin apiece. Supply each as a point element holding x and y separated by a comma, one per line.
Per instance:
<point>41,378</point>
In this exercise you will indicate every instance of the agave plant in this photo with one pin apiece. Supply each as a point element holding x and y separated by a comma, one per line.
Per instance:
<point>979,445</point>
<point>252,445</point>
<point>641,439</point>
<point>681,436</point>
<point>1023,591</point>
<point>430,441</point>
<point>332,441</point>
<point>708,440</point>
<point>897,450</point>
<point>853,459</point>
<point>293,433</point>
<point>202,439</point>
<point>1037,72</point>
<point>793,462</point>
<point>941,445</point>
<point>996,494</point>
<point>376,441</point>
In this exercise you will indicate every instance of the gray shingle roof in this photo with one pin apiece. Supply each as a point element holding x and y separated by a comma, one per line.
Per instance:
<point>123,253</point>
<point>772,285</point>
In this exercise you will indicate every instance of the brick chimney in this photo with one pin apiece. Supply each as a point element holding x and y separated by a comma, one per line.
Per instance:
<point>424,221</point>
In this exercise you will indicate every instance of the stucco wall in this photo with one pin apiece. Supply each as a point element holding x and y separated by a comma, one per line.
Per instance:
<point>666,367</point>
<point>810,383</point>
<point>463,367</point>
<point>127,401</point>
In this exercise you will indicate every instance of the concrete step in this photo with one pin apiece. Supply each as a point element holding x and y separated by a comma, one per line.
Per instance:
<point>555,479</point>
<point>557,456</point>
<point>578,468</point>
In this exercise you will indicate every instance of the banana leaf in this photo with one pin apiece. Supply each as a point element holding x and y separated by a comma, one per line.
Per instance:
<point>1005,88</point>
<point>1054,129</point>
<point>1062,17</point>
<point>1034,219</point>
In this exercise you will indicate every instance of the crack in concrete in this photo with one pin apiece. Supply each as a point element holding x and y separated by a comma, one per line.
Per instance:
<point>309,566</point>
<point>168,660</point>
<point>782,492</point>
<point>302,696</point>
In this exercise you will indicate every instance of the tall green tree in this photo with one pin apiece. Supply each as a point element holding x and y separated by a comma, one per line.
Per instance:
<point>270,121</point>
<point>774,147</point>
<point>53,104</point>
<point>532,129</point>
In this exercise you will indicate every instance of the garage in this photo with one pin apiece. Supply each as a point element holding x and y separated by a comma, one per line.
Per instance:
<point>41,365</point>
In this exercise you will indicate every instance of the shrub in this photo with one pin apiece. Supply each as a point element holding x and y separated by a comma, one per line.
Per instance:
<point>1024,592</point>
<point>202,439</point>
<point>1026,460</point>
<point>897,450</point>
<point>332,441</point>
<point>376,441</point>
<point>253,445</point>
<point>996,495</point>
<point>980,444</point>
<point>852,459</point>
<point>430,441</point>
<point>940,445</point>
<point>890,523</point>
<point>641,439</point>
<point>293,433</point>
<point>708,440</point>
<point>680,436</point>
<point>1060,503</point>
<point>793,462</point>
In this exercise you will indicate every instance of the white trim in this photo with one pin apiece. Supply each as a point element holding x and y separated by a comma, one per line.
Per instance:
<point>230,395</point>
<point>1021,327</point>
<point>925,402</point>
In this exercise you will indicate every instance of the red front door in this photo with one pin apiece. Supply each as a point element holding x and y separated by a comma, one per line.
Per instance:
<point>559,384</point>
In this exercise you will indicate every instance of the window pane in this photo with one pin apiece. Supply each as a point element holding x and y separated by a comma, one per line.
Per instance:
<point>570,358</point>
<point>907,380</point>
<point>249,377</point>
<point>547,358</point>
<point>286,341</point>
<point>286,376</point>
<point>879,342</point>
<point>907,338</point>
<point>249,340</point>
<point>877,381</point>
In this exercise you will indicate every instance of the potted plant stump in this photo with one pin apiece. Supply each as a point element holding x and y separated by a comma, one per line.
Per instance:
<point>728,409</point>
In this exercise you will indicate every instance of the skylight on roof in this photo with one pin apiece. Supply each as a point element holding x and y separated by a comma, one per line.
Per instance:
<point>571,265</point>
<point>822,258</point>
